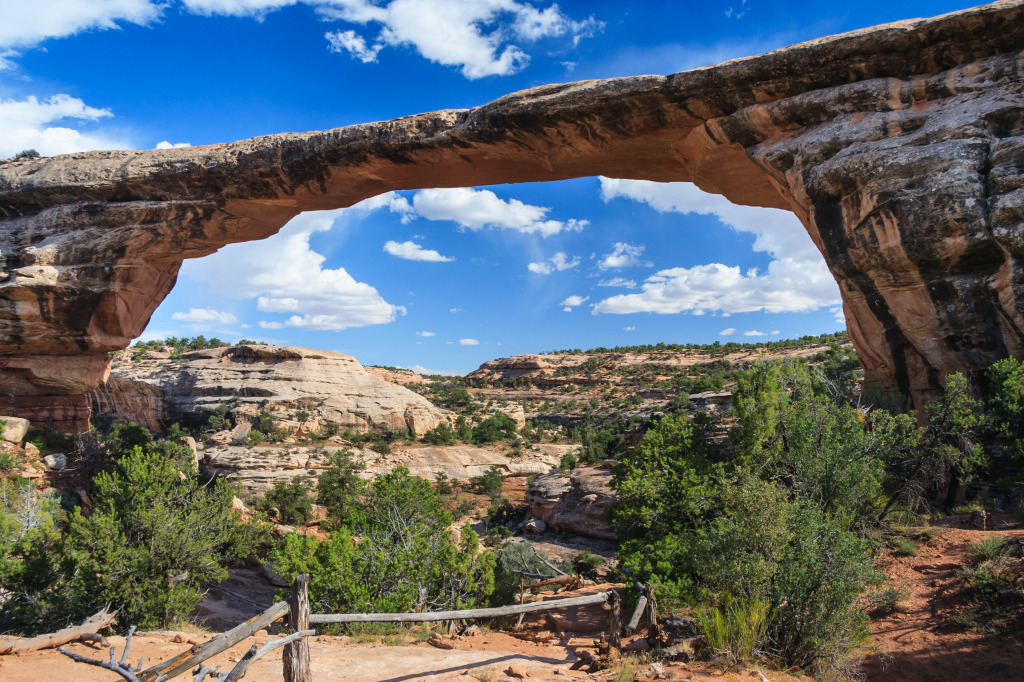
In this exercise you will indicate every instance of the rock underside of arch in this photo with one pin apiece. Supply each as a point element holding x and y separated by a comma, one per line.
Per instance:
<point>900,148</point>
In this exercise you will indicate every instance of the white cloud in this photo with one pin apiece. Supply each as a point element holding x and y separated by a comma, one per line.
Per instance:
<point>838,312</point>
<point>24,24</point>
<point>558,262</point>
<point>796,280</point>
<point>271,325</point>
<point>468,342</point>
<point>349,41</point>
<point>775,332</point>
<point>425,334</point>
<point>205,316</point>
<point>624,256</point>
<point>618,282</point>
<point>473,36</point>
<point>167,145</point>
<point>27,124</point>
<point>286,276</point>
<point>729,331</point>
<point>629,329</point>
<point>753,332</point>
<point>475,209</point>
<point>573,302</point>
<point>456,310</point>
<point>413,251</point>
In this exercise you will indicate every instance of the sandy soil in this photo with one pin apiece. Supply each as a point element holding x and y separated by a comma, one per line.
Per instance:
<point>919,642</point>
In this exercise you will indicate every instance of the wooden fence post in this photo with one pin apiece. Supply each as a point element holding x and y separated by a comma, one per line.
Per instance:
<point>614,620</point>
<point>296,654</point>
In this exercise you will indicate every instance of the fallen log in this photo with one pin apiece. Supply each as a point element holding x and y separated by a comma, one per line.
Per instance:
<point>88,629</point>
<point>200,652</point>
<point>325,618</point>
<point>572,582</point>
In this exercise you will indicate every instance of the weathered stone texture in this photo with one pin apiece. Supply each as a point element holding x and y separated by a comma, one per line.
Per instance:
<point>900,148</point>
<point>281,380</point>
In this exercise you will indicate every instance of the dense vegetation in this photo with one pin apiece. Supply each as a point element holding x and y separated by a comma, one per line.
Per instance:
<point>774,527</point>
<point>154,538</point>
<point>391,550</point>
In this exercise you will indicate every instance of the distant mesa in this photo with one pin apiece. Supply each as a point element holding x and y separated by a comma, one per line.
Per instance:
<point>898,147</point>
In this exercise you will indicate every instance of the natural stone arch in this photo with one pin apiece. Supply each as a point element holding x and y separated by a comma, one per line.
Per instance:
<point>900,149</point>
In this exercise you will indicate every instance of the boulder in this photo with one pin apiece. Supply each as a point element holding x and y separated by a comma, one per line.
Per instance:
<point>575,502</point>
<point>15,430</point>
<point>58,461</point>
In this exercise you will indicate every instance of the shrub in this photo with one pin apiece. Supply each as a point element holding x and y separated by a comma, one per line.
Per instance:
<point>586,564</point>
<point>988,549</point>
<point>30,559</point>
<point>888,600</point>
<point>404,559</point>
<point>289,502</point>
<point>443,485</point>
<point>494,428</point>
<point>736,629</point>
<point>338,487</point>
<point>155,538</point>
<point>27,154</point>
<point>489,483</point>
<point>568,462</point>
<point>442,434</point>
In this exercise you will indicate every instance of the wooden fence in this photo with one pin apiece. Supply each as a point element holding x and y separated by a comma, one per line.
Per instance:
<point>301,621</point>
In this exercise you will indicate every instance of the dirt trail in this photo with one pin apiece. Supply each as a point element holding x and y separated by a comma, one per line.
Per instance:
<point>919,642</point>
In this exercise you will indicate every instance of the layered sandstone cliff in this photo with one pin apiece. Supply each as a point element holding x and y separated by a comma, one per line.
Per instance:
<point>899,148</point>
<point>303,389</point>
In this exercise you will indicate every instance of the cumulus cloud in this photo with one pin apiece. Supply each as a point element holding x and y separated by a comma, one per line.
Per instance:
<point>796,280</point>
<point>478,37</point>
<point>473,36</point>
<point>624,256</point>
<point>573,302</point>
<point>29,124</point>
<point>629,329</point>
<point>753,332</point>
<point>558,262</point>
<point>476,209</point>
<point>413,251</point>
<point>204,316</point>
<point>287,276</point>
<point>618,282</point>
<point>24,24</point>
<point>456,310</point>
<point>425,334</point>
<point>468,342</point>
<point>167,145</point>
<point>728,331</point>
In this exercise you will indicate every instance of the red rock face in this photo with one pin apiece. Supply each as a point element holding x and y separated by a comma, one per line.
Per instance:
<point>900,148</point>
<point>64,413</point>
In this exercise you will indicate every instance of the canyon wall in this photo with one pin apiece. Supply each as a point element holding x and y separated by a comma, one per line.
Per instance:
<point>900,148</point>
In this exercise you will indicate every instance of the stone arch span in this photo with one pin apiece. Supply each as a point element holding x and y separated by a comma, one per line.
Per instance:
<point>900,148</point>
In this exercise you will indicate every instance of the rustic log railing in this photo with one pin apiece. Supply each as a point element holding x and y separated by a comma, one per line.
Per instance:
<point>296,660</point>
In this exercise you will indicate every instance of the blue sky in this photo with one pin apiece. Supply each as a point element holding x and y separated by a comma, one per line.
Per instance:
<point>433,279</point>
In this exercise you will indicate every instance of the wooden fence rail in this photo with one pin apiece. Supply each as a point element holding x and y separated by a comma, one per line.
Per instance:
<point>199,653</point>
<point>325,618</point>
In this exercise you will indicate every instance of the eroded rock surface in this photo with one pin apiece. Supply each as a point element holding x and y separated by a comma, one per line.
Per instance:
<point>575,502</point>
<point>303,389</point>
<point>900,148</point>
<point>258,468</point>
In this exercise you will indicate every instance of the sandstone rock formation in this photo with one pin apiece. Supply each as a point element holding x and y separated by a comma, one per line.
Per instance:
<point>575,502</point>
<point>259,468</point>
<point>282,380</point>
<point>900,148</point>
